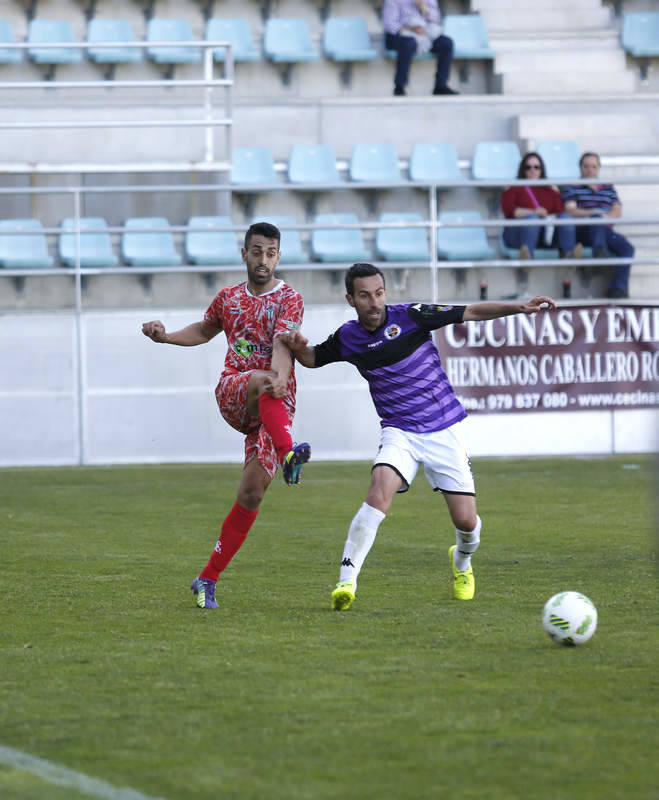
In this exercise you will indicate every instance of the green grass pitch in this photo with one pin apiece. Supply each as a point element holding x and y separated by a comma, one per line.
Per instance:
<point>107,667</point>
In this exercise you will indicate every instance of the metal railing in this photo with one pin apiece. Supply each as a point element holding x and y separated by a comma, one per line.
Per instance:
<point>207,82</point>
<point>432,224</point>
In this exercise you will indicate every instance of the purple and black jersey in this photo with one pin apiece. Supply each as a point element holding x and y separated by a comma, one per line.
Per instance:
<point>399,360</point>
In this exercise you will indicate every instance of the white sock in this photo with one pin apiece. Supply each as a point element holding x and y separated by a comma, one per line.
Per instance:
<point>467,543</point>
<point>361,536</point>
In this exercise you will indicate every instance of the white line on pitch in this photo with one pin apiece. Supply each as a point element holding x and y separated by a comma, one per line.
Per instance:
<point>62,776</point>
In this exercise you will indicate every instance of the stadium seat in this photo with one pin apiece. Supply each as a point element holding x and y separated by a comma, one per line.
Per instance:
<point>462,244</point>
<point>95,248</point>
<point>252,165</point>
<point>24,251</point>
<point>640,33</point>
<point>112,30</point>
<point>374,163</point>
<point>287,42</point>
<point>469,36</point>
<point>347,39</point>
<point>434,162</point>
<point>312,164</point>
<point>51,31</point>
<point>495,161</point>
<point>540,252</point>
<point>291,242</point>
<point>7,55</point>
<point>211,246</point>
<point>402,244</point>
<point>148,248</point>
<point>160,29</point>
<point>237,32</point>
<point>640,37</point>
<point>334,244</point>
<point>561,158</point>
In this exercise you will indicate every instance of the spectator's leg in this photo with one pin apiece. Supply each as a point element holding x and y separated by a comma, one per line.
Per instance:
<point>525,238</point>
<point>405,47</point>
<point>619,247</point>
<point>595,236</point>
<point>442,47</point>
<point>566,236</point>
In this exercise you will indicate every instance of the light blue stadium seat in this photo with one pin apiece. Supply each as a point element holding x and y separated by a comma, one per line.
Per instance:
<point>640,37</point>
<point>469,36</point>
<point>495,161</point>
<point>434,162</point>
<point>148,248</point>
<point>312,164</point>
<point>347,39</point>
<point>7,55</point>
<point>640,33</point>
<point>288,41</point>
<point>211,246</point>
<point>561,158</point>
<point>333,244</point>
<point>291,242</point>
<point>112,30</point>
<point>161,29</point>
<point>462,244</point>
<point>374,163</point>
<point>51,31</point>
<point>24,251</point>
<point>252,165</point>
<point>402,244</point>
<point>95,248</point>
<point>237,32</point>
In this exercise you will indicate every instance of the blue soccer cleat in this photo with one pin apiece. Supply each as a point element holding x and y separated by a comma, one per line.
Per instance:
<point>293,461</point>
<point>205,591</point>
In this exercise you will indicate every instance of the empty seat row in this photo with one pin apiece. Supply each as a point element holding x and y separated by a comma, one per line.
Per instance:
<point>345,39</point>
<point>372,162</point>
<point>149,241</point>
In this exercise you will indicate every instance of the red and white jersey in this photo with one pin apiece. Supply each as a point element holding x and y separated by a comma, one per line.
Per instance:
<point>252,322</point>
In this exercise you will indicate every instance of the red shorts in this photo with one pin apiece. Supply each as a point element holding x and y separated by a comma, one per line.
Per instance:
<point>231,396</point>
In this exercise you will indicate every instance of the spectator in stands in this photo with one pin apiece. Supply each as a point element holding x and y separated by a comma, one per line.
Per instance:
<point>536,202</point>
<point>413,26</point>
<point>600,200</point>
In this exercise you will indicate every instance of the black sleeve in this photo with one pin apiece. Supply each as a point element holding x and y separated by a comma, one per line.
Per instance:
<point>329,351</point>
<point>430,316</point>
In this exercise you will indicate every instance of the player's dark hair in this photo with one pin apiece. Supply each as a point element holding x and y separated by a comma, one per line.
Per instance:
<point>266,229</point>
<point>589,155</point>
<point>360,271</point>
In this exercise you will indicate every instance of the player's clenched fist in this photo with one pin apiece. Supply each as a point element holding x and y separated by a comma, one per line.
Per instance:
<point>154,330</point>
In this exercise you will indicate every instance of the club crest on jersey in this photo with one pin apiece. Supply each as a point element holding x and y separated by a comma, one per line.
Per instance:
<point>392,332</point>
<point>270,312</point>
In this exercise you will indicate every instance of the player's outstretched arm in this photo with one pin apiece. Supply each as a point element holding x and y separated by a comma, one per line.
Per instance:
<point>299,347</point>
<point>196,333</point>
<point>491,309</point>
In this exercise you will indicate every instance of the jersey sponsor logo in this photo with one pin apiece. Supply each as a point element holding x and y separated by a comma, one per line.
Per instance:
<point>392,332</point>
<point>245,349</point>
<point>375,344</point>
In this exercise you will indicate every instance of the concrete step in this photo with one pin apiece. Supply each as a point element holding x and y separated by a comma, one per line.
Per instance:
<point>604,133</point>
<point>530,5</point>
<point>568,82</point>
<point>606,40</point>
<point>545,19</point>
<point>572,59</point>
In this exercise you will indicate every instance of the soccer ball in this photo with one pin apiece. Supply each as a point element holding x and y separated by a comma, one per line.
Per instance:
<point>569,618</point>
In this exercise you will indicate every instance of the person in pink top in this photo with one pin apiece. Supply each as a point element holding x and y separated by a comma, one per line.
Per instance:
<point>536,202</point>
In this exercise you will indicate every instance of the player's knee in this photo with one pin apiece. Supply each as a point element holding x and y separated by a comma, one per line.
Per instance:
<point>465,521</point>
<point>250,497</point>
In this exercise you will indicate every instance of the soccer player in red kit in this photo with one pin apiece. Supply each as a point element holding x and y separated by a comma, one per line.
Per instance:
<point>256,391</point>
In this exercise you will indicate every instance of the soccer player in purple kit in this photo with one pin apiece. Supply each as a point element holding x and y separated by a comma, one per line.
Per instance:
<point>392,347</point>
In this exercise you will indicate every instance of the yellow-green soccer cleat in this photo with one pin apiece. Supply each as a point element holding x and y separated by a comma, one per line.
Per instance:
<point>463,582</point>
<point>343,596</point>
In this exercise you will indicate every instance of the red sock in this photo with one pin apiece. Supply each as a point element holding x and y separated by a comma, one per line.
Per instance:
<point>276,422</point>
<point>234,532</point>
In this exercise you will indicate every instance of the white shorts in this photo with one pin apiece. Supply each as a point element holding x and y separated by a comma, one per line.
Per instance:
<point>443,454</point>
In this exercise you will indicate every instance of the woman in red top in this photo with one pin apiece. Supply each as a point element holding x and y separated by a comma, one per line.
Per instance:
<point>536,202</point>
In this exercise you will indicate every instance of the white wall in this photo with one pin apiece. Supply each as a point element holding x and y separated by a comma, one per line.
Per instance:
<point>148,403</point>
